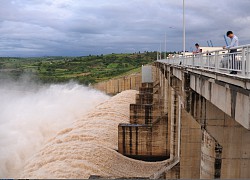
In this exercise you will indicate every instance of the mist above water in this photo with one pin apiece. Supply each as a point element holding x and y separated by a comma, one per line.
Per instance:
<point>30,114</point>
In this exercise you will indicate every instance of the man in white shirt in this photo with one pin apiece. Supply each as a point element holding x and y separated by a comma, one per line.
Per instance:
<point>234,43</point>
<point>198,49</point>
<point>234,40</point>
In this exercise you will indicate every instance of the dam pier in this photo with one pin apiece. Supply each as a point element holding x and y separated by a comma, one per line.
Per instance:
<point>193,114</point>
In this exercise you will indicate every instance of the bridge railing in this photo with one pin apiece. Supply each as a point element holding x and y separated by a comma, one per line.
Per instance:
<point>223,61</point>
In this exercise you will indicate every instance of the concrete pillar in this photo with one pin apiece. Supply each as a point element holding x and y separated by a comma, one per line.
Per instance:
<point>173,119</point>
<point>211,152</point>
<point>190,147</point>
<point>233,138</point>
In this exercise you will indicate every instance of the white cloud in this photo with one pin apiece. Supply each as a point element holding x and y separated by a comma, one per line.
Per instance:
<point>80,27</point>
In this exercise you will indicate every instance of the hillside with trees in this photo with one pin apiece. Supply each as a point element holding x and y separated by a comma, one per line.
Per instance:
<point>85,70</point>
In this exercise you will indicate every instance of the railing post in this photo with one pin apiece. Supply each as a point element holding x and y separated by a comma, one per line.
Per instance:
<point>192,63</point>
<point>243,61</point>
<point>208,61</point>
<point>216,61</point>
<point>247,62</point>
<point>201,60</point>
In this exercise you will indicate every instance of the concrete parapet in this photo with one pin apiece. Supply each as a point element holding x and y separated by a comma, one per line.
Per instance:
<point>120,84</point>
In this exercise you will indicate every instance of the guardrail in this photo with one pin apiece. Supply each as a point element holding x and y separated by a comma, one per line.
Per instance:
<point>233,61</point>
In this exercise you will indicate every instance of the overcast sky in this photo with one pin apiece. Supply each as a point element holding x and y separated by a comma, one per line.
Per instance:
<point>82,27</point>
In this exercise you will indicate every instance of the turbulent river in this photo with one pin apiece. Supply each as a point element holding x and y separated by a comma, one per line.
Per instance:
<point>64,131</point>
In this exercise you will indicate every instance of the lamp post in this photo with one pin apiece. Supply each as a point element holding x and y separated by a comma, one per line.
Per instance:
<point>160,51</point>
<point>165,54</point>
<point>184,30</point>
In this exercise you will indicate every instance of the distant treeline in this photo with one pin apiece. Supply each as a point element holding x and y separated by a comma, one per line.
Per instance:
<point>85,69</point>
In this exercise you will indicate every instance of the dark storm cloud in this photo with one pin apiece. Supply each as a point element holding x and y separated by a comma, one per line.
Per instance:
<point>81,27</point>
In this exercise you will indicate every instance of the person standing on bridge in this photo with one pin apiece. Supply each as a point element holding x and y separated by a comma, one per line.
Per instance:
<point>234,43</point>
<point>198,49</point>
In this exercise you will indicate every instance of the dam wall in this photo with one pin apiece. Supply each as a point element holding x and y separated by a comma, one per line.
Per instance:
<point>196,119</point>
<point>117,85</point>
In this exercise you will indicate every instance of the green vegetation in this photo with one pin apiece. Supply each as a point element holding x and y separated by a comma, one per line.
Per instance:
<point>85,70</point>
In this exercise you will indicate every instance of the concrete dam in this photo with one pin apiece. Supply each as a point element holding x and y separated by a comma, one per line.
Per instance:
<point>172,120</point>
<point>186,117</point>
<point>192,113</point>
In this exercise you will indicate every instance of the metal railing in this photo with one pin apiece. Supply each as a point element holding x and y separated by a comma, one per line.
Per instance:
<point>233,61</point>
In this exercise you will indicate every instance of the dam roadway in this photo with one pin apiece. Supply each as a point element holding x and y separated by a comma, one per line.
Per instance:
<point>191,112</point>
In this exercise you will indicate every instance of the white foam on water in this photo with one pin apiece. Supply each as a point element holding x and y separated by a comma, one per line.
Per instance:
<point>31,114</point>
<point>90,146</point>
